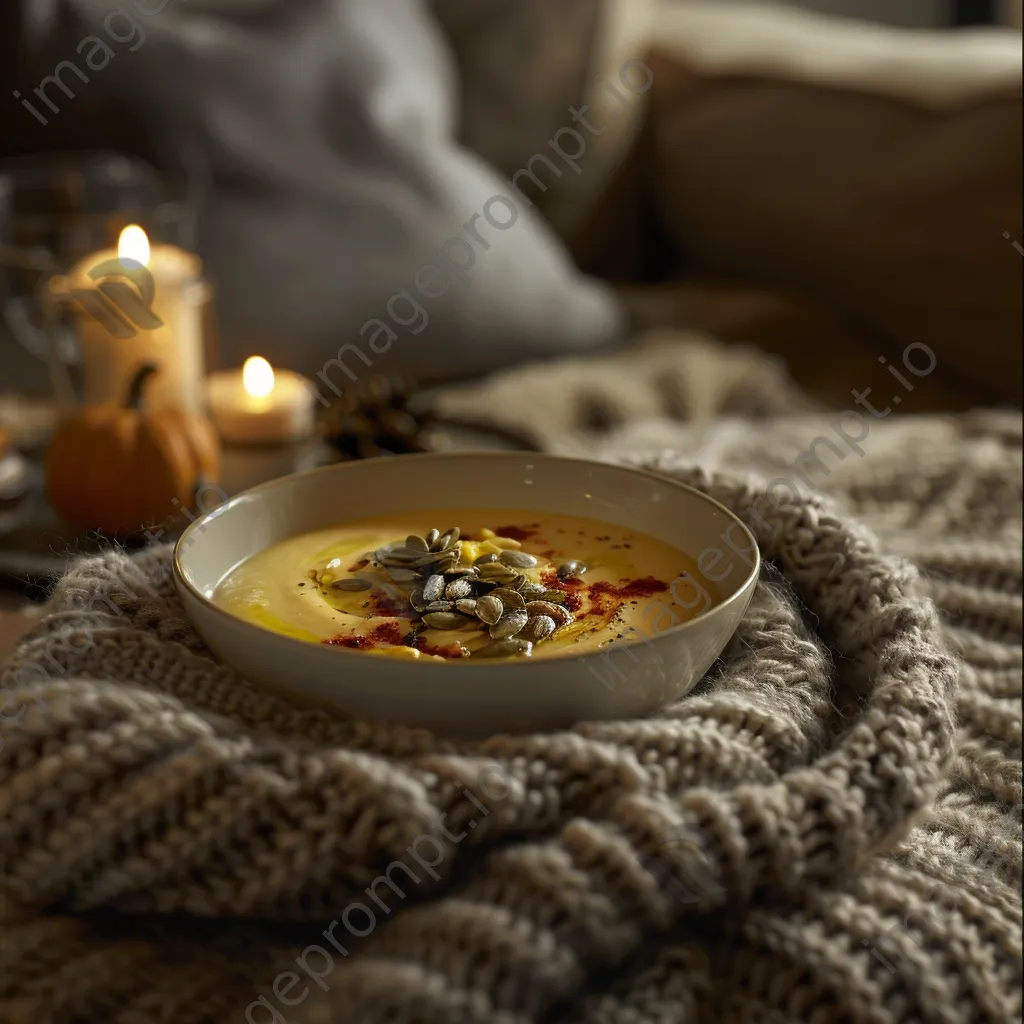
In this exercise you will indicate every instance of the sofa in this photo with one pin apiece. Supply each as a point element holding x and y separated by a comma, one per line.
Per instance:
<point>829,190</point>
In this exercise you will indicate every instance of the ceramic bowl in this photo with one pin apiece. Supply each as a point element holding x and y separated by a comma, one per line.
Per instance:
<point>472,697</point>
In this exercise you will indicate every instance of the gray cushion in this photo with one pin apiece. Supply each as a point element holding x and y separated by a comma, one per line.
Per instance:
<point>327,129</point>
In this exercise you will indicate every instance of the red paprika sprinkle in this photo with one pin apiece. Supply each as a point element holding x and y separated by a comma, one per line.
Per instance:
<point>387,634</point>
<point>352,642</point>
<point>549,577</point>
<point>643,588</point>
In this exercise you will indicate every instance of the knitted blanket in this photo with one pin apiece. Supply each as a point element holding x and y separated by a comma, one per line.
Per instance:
<point>828,829</point>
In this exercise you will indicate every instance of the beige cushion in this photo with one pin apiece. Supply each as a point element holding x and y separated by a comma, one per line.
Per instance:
<point>886,197</point>
<point>934,68</point>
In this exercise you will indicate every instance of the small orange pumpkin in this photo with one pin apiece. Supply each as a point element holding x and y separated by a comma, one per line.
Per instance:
<point>123,469</point>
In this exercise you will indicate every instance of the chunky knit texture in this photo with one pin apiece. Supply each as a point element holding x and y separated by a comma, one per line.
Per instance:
<point>827,830</point>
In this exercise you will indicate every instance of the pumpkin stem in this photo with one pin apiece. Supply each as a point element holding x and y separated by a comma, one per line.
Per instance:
<point>139,381</point>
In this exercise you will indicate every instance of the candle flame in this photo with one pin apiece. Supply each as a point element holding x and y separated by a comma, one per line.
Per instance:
<point>133,245</point>
<point>257,377</point>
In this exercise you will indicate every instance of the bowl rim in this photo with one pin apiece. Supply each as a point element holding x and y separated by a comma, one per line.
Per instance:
<point>484,665</point>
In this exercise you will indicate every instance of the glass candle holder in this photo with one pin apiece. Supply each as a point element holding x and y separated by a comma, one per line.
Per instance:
<point>69,298</point>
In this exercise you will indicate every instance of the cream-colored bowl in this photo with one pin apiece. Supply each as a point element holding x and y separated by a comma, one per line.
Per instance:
<point>472,697</point>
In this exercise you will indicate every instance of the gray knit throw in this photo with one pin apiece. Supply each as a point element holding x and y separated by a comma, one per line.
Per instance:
<point>827,830</point>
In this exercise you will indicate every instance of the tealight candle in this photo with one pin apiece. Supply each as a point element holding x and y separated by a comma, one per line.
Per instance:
<point>258,405</point>
<point>139,304</point>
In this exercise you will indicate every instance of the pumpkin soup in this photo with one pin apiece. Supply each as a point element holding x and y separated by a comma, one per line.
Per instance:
<point>449,585</point>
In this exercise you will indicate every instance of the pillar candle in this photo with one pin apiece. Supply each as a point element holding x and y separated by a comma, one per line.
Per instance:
<point>137,304</point>
<point>257,405</point>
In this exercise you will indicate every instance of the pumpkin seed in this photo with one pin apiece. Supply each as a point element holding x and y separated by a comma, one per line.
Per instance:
<point>537,628</point>
<point>500,572</point>
<point>395,554</point>
<point>457,589</point>
<point>462,570</point>
<point>446,620</point>
<point>571,569</point>
<point>446,540</point>
<point>517,559</point>
<point>489,609</point>
<point>500,583</point>
<point>506,648</point>
<point>509,624</point>
<point>501,580</point>
<point>509,598</point>
<point>543,608</point>
<point>494,568</point>
<point>453,552</point>
<point>404,554</point>
<point>351,585</point>
<point>400,575</point>
<point>553,611</point>
<point>433,588</point>
<point>493,592</point>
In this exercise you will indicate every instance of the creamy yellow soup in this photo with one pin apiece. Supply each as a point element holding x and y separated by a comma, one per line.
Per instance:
<point>376,586</point>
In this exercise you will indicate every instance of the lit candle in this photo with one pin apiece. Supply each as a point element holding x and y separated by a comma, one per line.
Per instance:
<point>258,405</point>
<point>139,304</point>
